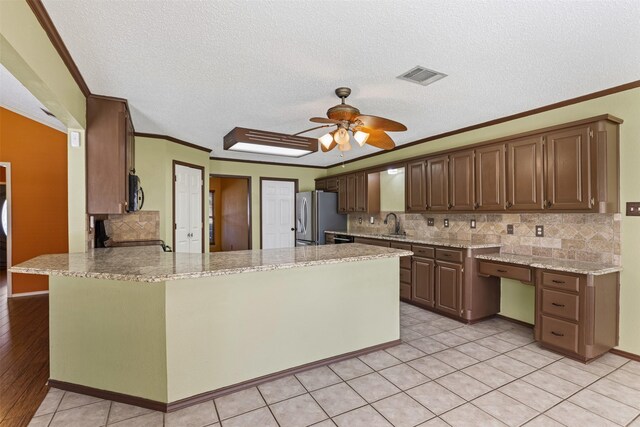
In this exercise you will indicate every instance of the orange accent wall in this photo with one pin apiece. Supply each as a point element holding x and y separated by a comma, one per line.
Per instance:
<point>38,157</point>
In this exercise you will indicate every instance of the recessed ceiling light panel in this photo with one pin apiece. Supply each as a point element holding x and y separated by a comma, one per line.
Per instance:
<point>421,75</point>
<point>263,142</point>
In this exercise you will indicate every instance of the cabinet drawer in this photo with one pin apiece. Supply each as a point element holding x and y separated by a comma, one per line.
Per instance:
<point>373,242</point>
<point>405,275</point>
<point>423,251</point>
<point>405,291</point>
<point>508,271</point>
<point>560,333</point>
<point>560,281</point>
<point>405,262</point>
<point>560,304</point>
<point>449,255</point>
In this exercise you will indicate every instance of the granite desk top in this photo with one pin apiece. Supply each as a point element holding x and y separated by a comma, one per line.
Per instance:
<point>152,264</point>
<point>450,243</point>
<point>570,266</point>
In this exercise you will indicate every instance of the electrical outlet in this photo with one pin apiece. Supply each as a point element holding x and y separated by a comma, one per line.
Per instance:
<point>633,208</point>
<point>539,230</point>
<point>446,222</point>
<point>430,222</point>
<point>472,223</point>
<point>509,228</point>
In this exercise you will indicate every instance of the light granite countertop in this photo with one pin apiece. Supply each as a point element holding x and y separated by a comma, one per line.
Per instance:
<point>570,266</point>
<point>151,264</point>
<point>450,243</point>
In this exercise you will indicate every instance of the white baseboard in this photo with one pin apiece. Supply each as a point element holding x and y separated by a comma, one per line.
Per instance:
<point>29,294</point>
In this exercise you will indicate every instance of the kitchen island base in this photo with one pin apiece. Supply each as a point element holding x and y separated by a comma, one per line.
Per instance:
<point>172,343</point>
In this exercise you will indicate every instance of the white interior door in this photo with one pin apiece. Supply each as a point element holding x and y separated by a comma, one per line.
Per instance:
<point>278,201</point>
<point>188,209</point>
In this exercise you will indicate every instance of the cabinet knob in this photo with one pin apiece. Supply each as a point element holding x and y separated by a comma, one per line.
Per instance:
<point>592,202</point>
<point>509,204</point>
<point>476,205</point>
<point>450,205</point>
<point>547,204</point>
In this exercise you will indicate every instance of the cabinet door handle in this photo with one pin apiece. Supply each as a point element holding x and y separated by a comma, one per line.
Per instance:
<point>502,271</point>
<point>547,204</point>
<point>560,282</point>
<point>450,205</point>
<point>476,205</point>
<point>509,204</point>
<point>592,202</point>
<point>557,334</point>
<point>447,255</point>
<point>557,305</point>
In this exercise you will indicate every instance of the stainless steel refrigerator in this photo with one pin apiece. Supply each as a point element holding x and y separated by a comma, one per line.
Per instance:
<point>317,212</point>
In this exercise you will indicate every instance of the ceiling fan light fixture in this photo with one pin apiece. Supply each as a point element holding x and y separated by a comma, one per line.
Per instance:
<point>326,140</point>
<point>344,147</point>
<point>360,137</point>
<point>342,137</point>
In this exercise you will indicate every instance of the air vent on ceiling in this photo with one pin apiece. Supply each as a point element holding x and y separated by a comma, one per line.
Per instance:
<point>421,75</point>
<point>48,113</point>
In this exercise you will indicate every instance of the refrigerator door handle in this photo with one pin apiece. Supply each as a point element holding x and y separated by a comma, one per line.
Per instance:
<point>303,215</point>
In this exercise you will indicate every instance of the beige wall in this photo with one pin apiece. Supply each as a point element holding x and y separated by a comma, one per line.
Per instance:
<point>154,166</point>
<point>305,177</point>
<point>517,299</point>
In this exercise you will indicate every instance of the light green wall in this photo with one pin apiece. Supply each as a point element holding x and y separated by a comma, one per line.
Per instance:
<point>154,166</point>
<point>305,177</point>
<point>392,191</point>
<point>517,299</point>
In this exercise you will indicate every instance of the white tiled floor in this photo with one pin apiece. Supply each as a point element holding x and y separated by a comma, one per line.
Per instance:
<point>444,374</point>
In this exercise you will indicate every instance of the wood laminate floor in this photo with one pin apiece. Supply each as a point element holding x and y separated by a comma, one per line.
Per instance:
<point>24,355</point>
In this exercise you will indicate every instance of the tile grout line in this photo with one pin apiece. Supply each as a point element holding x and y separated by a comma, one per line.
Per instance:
<point>267,405</point>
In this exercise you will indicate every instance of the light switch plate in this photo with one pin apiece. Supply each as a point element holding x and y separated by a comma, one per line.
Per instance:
<point>509,228</point>
<point>539,230</point>
<point>446,222</point>
<point>430,222</point>
<point>633,208</point>
<point>472,223</point>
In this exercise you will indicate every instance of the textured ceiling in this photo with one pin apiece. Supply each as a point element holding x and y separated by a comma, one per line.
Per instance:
<point>196,69</point>
<point>17,98</point>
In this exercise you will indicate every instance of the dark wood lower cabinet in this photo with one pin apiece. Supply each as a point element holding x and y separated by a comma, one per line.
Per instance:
<point>422,282</point>
<point>448,287</point>
<point>405,271</point>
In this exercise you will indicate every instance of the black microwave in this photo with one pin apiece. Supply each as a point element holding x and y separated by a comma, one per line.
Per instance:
<point>136,194</point>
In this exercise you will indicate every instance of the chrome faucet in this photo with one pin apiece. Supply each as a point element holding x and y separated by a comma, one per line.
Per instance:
<point>397,227</point>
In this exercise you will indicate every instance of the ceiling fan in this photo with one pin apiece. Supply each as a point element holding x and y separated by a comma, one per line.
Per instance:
<point>366,129</point>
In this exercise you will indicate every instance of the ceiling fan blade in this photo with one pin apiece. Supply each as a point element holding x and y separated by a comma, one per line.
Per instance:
<point>381,123</point>
<point>331,146</point>
<point>324,120</point>
<point>380,139</point>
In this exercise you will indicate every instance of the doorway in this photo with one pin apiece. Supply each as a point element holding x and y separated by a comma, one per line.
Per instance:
<point>188,212</point>
<point>229,213</point>
<point>277,212</point>
<point>5,230</point>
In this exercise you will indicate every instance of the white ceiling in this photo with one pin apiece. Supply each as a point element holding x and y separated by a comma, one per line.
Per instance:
<point>194,70</point>
<point>17,98</point>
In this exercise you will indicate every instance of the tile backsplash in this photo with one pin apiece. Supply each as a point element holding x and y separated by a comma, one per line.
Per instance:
<point>583,237</point>
<point>141,225</point>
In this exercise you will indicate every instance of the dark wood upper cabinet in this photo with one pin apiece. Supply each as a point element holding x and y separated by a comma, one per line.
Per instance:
<point>437,173</point>
<point>342,194</point>
<point>361,192</point>
<point>568,169</point>
<point>110,155</point>
<point>321,184</point>
<point>331,185</point>
<point>416,186</point>
<point>525,174</point>
<point>490,178</point>
<point>462,181</point>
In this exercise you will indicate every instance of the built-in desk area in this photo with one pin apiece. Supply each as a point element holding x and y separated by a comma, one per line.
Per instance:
<point>577,303</point>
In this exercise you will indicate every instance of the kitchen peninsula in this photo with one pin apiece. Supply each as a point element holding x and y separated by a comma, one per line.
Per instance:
<point>165,330</point>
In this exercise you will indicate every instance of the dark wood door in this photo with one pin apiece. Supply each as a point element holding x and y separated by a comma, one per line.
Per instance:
<point>422,281</point>
<point>342,194</point>
<point>416,190</point>
<point>490,178</point>
<point>525,174</point>
<point>448,287</point>
<point>437,172</point>
<point>568,169</point>
<point>462,181</point>
<point>361,192</point>
<point>351,193</point>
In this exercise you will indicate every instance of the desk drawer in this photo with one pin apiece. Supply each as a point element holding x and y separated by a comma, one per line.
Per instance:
<point>560,333</point>
<point>423,251</point>
<point>449,255</point>
<point>405,261</point>
<point>488,268</point>
<point>560,304</point>
<point>405,275</point>
<point>560,281</point>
